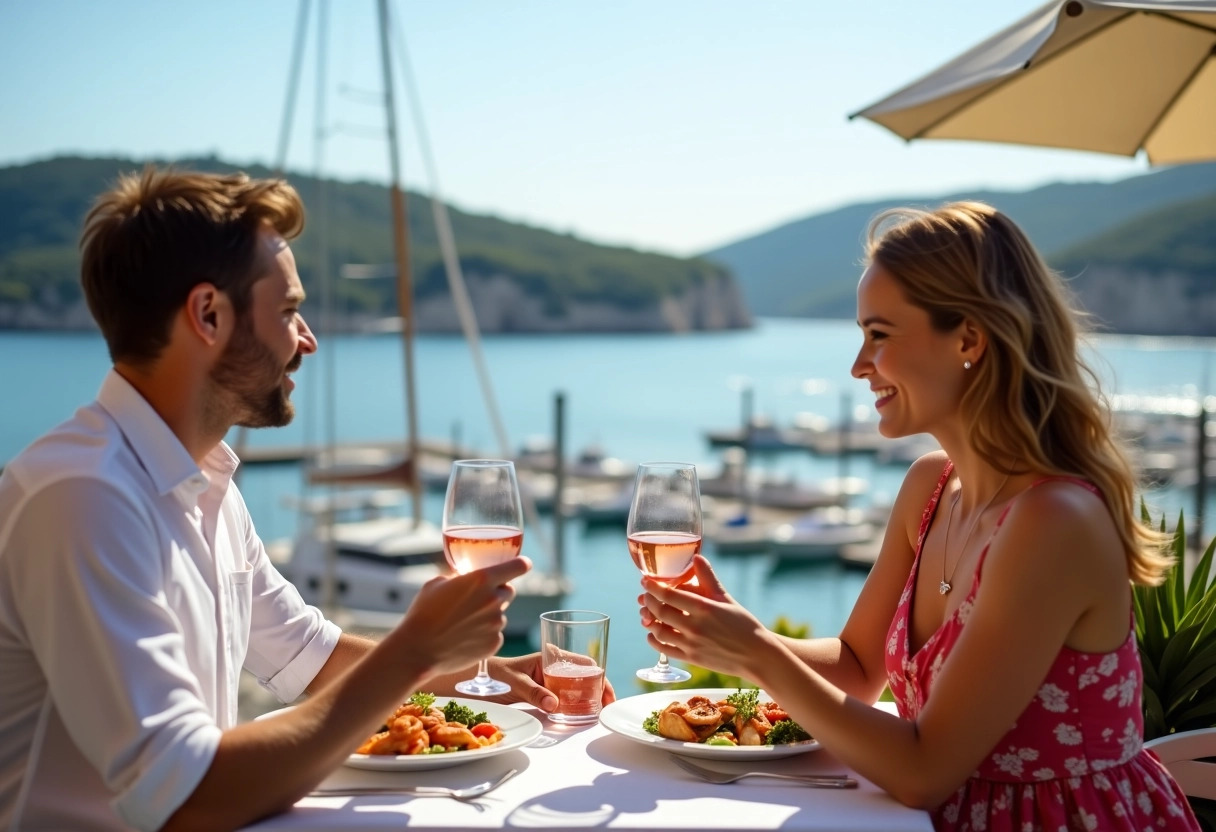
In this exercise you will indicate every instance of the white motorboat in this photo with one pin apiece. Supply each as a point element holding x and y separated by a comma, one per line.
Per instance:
<point>591,463</point>
<point>772,491</point>
<point>739,534</point>
<point>380,562</point>
<point>821,534</point>
<point>610,510</point>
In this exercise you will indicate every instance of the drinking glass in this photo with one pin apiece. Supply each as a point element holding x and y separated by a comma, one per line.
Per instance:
<point>574,654</point>
<point>664,533</point>
<point>482,525</point>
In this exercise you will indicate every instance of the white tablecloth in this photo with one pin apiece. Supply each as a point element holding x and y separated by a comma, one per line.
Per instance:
<point>591,777</point>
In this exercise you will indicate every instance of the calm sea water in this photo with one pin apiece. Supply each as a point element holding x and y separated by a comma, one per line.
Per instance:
<point>640,397</point>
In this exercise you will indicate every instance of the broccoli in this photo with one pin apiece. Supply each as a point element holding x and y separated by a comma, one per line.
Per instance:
<point>455,712</point>
<point>786,731</point>
<point>745,702</point>
<point>423,700</point>
<point>651,723</point>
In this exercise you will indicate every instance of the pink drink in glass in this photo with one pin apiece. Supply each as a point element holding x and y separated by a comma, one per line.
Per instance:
<point>579,687</point>
<point>476,547</point>
<point>665,556</point>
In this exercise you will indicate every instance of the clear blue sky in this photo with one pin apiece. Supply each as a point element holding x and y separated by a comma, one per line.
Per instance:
<point>673,125</point>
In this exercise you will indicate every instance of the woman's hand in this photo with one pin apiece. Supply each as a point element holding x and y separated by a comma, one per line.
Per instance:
<point>700,623</point>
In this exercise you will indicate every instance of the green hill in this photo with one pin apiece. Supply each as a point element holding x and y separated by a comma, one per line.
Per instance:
<point>1153,275</point>
<point>42,205</point>
<point>1177,238</point>
<point>810,267</point>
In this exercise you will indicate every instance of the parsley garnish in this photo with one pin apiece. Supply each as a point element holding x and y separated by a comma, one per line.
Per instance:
<point>455,712</point>
<point>423,700</point>
<point>745,702</point>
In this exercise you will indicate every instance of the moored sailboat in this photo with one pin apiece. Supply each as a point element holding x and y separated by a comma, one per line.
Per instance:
<point>368,567</point>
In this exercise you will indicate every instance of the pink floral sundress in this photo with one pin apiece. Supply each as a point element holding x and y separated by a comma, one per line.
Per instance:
<point>1074,758</point>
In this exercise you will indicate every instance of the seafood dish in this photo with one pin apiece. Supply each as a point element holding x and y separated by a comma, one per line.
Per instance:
<point>420,727</point>
<point>738,719</point>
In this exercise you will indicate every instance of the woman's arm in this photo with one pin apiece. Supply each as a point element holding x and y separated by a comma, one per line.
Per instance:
<point>1055,559</point>
<point>853,662</point>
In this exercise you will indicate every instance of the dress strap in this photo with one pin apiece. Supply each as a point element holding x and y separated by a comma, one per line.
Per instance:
<point>931,507</point>
<point>1088,486</point>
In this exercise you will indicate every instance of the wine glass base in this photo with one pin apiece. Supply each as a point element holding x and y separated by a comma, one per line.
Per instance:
<point>490,687</point>
<point>663,676</point>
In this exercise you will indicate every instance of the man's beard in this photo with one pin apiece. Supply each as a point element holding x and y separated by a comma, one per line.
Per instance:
<point>251,378</point>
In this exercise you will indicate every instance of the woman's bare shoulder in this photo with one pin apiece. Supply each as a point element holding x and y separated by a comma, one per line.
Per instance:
<point>1059,507</point>
<point>917,488</point>
<point>1064,526</point>
<point>924,474</point>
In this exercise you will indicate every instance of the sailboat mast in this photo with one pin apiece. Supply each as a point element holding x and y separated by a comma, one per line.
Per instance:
<point>405,290</point>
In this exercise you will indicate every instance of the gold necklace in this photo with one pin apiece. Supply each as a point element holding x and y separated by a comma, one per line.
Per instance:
<point>945,586</point>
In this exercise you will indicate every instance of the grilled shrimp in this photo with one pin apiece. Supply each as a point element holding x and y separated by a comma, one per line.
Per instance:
<point>453,735</point>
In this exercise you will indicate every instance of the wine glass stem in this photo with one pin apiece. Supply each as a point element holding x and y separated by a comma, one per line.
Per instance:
<point>483,672</point>
<point>662,665</point>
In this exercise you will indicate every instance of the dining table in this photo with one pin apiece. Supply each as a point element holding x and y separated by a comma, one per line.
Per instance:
<point>576,777</point>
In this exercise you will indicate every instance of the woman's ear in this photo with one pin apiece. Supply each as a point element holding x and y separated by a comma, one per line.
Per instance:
<point>973,344</point>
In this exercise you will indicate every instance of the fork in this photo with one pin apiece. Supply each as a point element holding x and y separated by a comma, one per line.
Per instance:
<point>470,793</point>
<point>825,781</point>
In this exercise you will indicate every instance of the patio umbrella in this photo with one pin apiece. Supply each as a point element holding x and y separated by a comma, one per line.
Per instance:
<point>1101,75</point>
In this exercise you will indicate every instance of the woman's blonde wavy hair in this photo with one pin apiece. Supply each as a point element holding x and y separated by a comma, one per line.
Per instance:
<point>1032,399</point>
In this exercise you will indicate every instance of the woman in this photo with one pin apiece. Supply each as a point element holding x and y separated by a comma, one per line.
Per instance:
<point>1000,608</point>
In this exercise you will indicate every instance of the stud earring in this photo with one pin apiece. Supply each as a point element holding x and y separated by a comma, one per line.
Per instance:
<point>966,365</point>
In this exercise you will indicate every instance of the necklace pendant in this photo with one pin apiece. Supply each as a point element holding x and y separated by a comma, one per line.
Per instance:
<point>943,588</point>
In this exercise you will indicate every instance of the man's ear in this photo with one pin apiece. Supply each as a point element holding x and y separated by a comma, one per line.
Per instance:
<point>208,314</point>
<point>974,342</point>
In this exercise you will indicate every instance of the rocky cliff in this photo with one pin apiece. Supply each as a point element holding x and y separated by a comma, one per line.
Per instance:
<point>1123,299</point>
<point>501,306</point>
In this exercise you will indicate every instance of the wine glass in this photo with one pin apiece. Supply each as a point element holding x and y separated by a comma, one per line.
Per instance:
<point>482,525</point>
<point>664,534</point>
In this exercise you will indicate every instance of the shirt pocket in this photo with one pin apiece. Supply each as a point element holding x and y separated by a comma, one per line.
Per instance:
<point>240,612</point>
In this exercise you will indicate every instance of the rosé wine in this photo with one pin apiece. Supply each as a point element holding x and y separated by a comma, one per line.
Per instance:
<point>579,688</point>
<point>476,547</point>
<point>665,556</point>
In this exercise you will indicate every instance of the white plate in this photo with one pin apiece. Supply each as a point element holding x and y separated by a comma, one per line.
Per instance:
<point>625,717</point>
<point>518,729</point>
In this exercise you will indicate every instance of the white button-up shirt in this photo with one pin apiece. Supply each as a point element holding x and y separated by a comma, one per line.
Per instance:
<point>133,589</point>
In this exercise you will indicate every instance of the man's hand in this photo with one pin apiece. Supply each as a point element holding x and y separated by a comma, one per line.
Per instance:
<point>524,675</point>
<point>458,619</point>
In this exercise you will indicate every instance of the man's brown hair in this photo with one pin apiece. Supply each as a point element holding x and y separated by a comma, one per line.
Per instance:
<point>153,237</point>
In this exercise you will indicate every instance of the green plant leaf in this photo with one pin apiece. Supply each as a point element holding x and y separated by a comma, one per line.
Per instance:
<point>1199,716</point>
<point>1175,583</point>
<point>1176,635</point>
<point>1148,667</point>
<point>1194,688</point>
<point>1176,653</point>
<point>1199,578</point>
<point>1154,715</point>
<point>1157,629</point>
<point>1200,659</point>
<point>1201,611</point>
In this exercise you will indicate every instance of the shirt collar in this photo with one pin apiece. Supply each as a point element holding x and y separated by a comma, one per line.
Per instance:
<point>157,448</point>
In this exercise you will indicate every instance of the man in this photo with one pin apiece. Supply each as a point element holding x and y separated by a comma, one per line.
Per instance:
<point>133,588</point>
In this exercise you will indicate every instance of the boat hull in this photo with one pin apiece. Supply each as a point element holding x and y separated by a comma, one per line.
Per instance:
<point>379,565</point>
